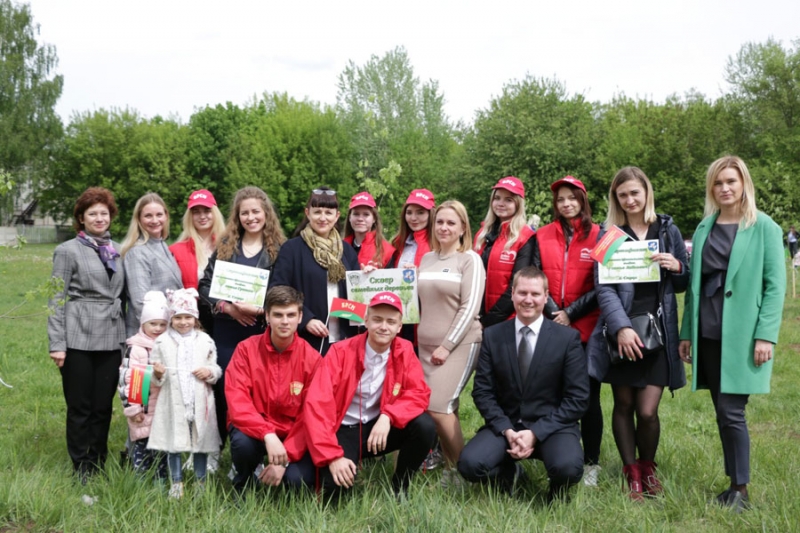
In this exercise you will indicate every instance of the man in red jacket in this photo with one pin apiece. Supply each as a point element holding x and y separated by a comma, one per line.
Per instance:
<point>369,398</point>
<point>265,384</point>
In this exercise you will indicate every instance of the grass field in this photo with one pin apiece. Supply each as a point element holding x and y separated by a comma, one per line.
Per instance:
<point>37,492</point>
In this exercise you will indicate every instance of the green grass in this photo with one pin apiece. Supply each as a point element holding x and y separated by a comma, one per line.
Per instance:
<point>38,494</point>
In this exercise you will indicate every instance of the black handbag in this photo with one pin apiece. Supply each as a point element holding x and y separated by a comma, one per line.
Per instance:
<point>647,328</point>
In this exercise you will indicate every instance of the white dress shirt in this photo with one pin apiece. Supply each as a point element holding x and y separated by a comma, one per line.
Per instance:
<point>366,403</point>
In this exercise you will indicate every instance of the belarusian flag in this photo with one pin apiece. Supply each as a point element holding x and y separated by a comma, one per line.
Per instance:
<point>608,244</point>
<point>140,384</point>
<point>348,309</point>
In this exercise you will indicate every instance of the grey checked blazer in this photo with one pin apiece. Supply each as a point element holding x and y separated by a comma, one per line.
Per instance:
<point>148,267</point>
<point>91,319</point>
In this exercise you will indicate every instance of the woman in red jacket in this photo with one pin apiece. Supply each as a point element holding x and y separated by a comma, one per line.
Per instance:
<point>413,238</point>
<point>364,231</point>
<point>501,243</point>
<point>202,225</point>
<point>561,251</point>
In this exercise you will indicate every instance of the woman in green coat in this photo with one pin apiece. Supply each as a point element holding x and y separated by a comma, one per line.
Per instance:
<point>738,282</point>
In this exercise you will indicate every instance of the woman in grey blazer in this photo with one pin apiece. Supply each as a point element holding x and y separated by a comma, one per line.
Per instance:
<point>150,264</point>
<point>86,333</point>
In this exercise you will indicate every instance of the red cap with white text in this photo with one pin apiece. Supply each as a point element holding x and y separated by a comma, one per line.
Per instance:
<point>362,198</point>
<point>511,184</point>
<point>423,198</point>
<point>202,197</point>
<point>387,298</point>
<point>568,180</point>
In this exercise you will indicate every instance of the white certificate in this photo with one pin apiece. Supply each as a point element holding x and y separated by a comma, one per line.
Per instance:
<point>401,281</point>
<point>239,283</point>
<point>631,263</point>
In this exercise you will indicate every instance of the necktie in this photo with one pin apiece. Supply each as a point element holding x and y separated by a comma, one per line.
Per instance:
<point>524,352</point>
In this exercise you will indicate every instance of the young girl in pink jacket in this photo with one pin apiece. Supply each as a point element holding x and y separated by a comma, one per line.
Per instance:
<point>153,322</point>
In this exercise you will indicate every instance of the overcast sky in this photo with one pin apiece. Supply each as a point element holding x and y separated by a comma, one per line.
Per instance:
<point>165,57</point>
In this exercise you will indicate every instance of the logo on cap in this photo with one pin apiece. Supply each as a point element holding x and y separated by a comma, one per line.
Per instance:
<point>423,196</point>
<point>197,195</point>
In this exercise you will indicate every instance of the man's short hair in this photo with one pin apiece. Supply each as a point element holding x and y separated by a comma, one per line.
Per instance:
<point>282,296</point>
<point>530,272</point>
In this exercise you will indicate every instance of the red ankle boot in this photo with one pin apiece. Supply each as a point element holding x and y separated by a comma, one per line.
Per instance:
<point>634,478</point>
<point>652,486</point>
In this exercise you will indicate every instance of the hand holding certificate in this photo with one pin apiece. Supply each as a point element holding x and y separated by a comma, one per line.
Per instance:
<point>239,283</point>
<point>627,262</point>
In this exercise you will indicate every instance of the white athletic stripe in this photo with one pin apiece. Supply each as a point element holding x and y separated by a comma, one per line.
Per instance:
<point>473,350</point>
<point>441,276</point>
<point>471,310</point>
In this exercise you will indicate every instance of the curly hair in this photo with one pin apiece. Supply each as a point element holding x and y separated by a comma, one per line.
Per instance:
<point>272,235</point>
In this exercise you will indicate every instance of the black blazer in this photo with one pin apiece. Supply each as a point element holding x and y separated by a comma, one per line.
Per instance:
<point>551,398</point>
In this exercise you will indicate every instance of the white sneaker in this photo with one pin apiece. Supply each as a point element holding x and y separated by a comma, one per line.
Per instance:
<point>591,474</point>
<point>451,479</point>
<point>176,491</point>
<point>212,464</point>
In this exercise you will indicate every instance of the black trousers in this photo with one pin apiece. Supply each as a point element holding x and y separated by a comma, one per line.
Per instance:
<point>247,453</point>
<point>485,458</point>
<point>89,380</point>
<point>414,442</point>
<point>730,411</point>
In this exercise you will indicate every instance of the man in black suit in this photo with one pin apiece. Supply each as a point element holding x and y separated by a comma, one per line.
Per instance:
<point>532,388</point>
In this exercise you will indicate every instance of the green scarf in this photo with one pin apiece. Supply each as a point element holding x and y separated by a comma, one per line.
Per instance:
<point>327,252</point>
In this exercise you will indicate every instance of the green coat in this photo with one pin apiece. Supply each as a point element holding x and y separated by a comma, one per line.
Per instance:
<point>752,308</point>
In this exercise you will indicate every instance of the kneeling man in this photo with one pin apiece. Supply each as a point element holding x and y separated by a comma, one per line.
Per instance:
<point>531,387</point>
<point>369,398</point>
<point>265,384</point>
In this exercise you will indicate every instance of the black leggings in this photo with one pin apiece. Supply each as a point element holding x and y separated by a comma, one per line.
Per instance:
<point>592,425</point>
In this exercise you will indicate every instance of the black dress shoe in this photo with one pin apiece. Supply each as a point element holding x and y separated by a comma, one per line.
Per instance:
<point>722,497</point>
<point>737,501</point>
<point>512,483</point>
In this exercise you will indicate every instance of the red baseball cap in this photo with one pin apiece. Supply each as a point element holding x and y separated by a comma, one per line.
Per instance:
<point>362,198</point>
<point>421,197</point>
<point>387,298</point>
<point>568,180</point>
<point>511,184</point>
<point>202,197</point>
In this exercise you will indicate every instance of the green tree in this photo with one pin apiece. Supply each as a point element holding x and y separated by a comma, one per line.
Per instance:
<point>125,153</point>
<point>397,125</point>
<point>29,90</point>
<point>534,130</point>
<point>284,146</point>
<point>765,83</point>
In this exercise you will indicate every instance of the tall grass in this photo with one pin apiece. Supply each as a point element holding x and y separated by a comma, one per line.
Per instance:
<point>37,492</point>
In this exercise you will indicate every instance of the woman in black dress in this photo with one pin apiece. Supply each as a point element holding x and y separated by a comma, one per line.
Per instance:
<point>252,238</point>
<point>638,381</point>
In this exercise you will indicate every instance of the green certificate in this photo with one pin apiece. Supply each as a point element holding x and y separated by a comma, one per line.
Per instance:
<point>631,263</point>
<point>239,283</point>
<point>362,287</point>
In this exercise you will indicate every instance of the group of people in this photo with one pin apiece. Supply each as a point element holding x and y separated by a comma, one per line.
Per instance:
<point>305,397</point>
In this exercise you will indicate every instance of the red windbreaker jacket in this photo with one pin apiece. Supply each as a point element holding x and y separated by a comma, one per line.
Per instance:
<point>405,394</point>
<point>265,389</point>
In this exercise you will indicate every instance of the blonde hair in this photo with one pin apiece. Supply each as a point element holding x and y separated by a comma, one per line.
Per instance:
<point>616,215</point>
<point>461,213</point>
<point>190,232</point>
<point>271,236</point>
<point>136,233</point>
<point>748,208</point>
<point>515,225</point>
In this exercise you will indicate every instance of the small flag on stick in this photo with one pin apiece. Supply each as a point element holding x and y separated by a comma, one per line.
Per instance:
<point>608,244</point>
<point>140,384</point>
<point>348,309</point>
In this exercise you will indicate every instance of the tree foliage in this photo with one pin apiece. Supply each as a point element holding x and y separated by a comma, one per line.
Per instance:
<point>401,136</point>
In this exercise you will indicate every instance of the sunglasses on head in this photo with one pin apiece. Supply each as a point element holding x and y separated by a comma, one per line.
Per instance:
<point>329,192</point>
